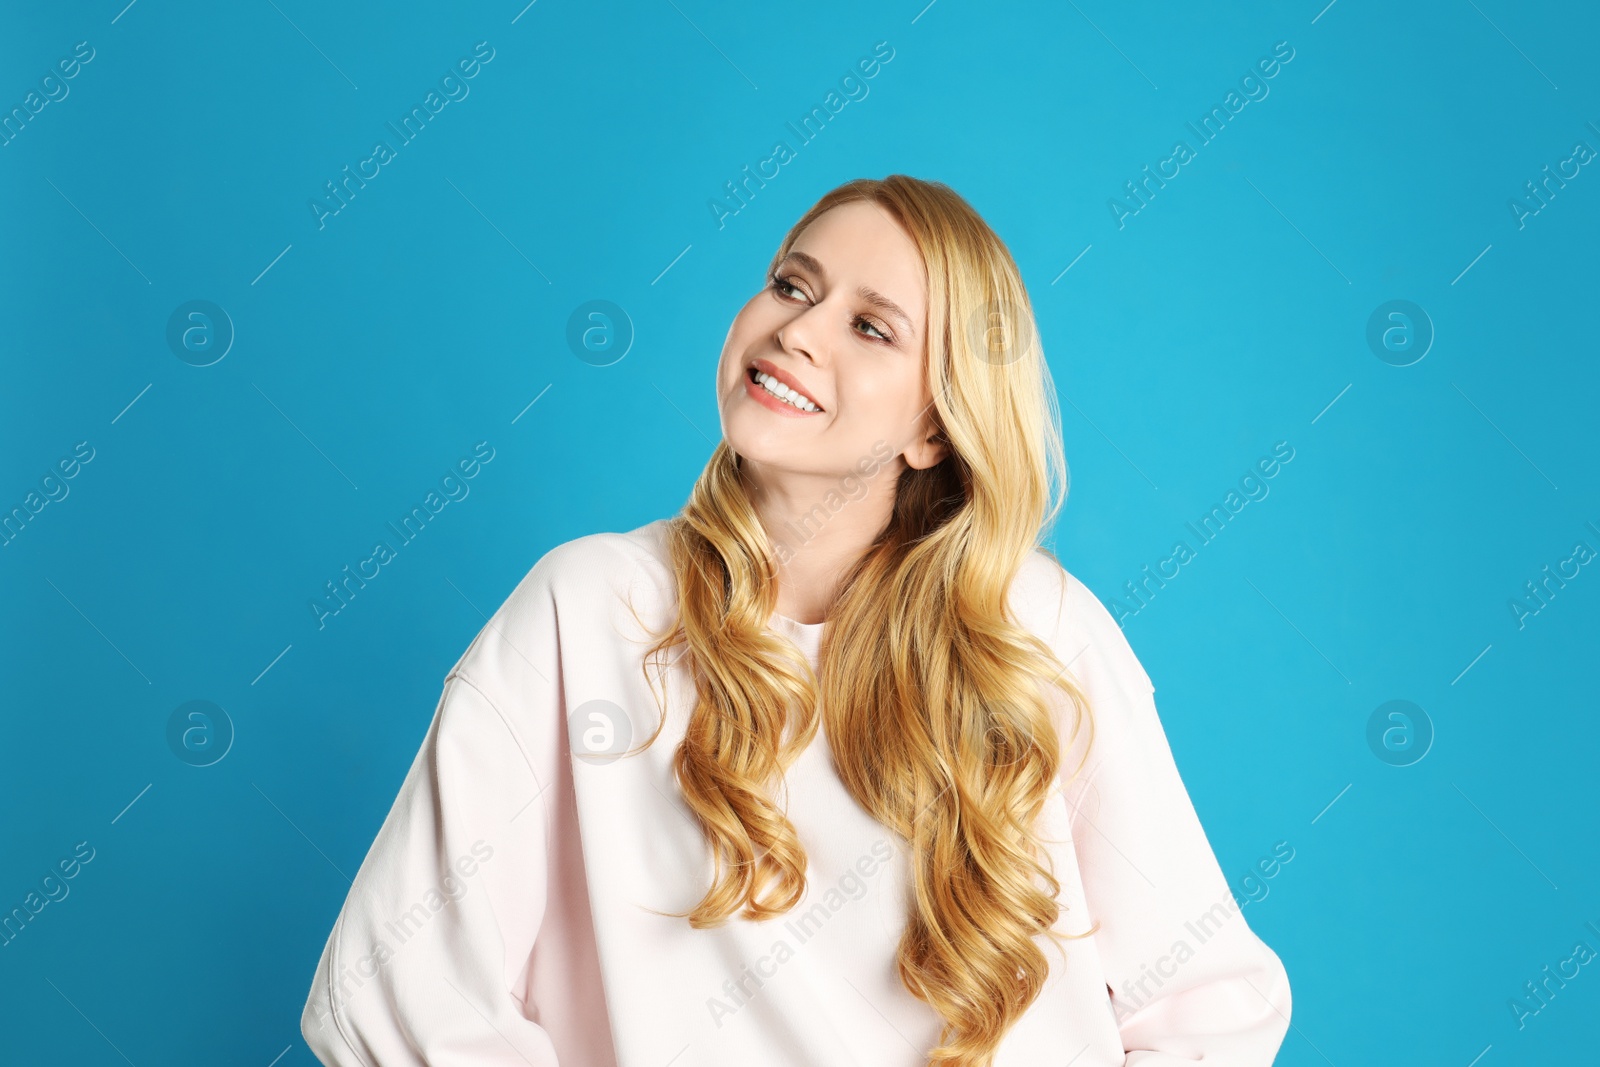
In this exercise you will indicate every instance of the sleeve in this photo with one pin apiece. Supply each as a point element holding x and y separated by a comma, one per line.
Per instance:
<point>441,918</point>
<point>1192,982</point>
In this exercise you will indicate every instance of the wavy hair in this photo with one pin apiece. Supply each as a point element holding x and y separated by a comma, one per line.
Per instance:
<point>950,741</point>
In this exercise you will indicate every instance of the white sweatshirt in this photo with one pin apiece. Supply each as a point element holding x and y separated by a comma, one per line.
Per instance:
<point>507,912</point>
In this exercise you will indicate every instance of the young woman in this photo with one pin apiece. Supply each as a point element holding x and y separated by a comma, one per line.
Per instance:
<point>836,766</point>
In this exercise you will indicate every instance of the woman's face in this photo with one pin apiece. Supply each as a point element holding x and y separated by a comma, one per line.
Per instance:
<point>845,325</point>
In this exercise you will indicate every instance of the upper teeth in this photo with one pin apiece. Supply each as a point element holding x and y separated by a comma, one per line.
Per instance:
<point>783,392</point>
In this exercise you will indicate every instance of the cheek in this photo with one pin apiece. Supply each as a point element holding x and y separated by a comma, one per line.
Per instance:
<point>886,391</point>
<point>729,361</point>
<point>741,335</point>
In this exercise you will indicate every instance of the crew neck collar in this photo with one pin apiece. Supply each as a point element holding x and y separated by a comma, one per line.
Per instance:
<point>807,636</point>
<point>801,625</point>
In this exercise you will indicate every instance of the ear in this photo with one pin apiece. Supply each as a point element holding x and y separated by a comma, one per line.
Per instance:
<point>928,452</point>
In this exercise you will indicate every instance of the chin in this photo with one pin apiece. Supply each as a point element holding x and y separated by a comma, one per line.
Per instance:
<point>765,447</point>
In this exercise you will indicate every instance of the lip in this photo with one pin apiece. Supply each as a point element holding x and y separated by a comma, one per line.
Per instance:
<point>759,393</point>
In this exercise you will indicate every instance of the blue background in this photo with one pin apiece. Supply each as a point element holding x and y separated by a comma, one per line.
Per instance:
<point>371,354</point>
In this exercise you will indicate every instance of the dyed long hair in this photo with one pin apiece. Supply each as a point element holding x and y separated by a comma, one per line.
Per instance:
<point>933,694</point>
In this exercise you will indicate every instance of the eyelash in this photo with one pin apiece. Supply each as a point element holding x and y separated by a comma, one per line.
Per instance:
<point>774,281</point>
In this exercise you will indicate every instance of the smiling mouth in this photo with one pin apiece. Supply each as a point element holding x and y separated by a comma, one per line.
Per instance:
<point>781,393</point>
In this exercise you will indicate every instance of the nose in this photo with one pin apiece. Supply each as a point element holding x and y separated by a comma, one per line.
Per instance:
<point>800,335</point>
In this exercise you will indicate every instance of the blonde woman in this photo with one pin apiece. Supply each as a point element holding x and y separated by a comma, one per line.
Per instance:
<point>836,766</point>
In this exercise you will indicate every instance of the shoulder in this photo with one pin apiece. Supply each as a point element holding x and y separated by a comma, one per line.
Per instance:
<point>588,565</point>
<point>1062,610</point>
<point>572,590</point>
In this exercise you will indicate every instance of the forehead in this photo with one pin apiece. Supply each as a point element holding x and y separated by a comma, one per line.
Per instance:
<point>860,243</point>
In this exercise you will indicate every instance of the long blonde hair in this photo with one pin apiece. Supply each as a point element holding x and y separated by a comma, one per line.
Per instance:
<point>933,695</point>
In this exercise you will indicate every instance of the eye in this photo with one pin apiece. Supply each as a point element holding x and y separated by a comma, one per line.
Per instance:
<point>779,285</point>
<point>868,322</point>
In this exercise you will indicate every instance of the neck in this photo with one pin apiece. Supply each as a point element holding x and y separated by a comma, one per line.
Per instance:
<point>819,526</point>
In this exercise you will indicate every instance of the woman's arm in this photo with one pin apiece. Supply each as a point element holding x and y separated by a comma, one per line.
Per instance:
<point>1189,980</point>
<point>440,922</point>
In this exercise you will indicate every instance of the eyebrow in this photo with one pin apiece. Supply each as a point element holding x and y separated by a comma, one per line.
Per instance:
<point>865,292</point>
